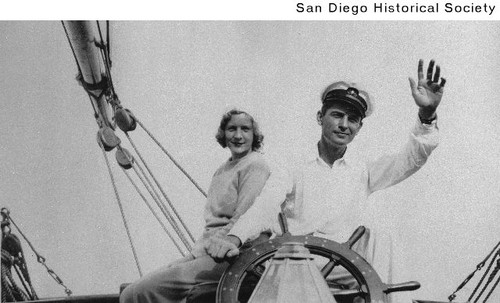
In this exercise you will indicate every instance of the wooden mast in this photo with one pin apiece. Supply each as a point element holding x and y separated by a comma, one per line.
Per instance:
<point>86,46</point>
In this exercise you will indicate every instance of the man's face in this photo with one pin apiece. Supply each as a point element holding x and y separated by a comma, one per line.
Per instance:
<point>340,124</point>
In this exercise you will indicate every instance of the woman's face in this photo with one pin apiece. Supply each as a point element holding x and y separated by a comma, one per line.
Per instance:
<point>239,135</point>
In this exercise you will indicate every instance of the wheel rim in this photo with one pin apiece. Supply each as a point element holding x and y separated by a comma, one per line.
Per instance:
<point>240,278</point>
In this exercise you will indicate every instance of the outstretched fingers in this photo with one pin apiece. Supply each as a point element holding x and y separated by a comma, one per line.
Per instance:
<point>427,92</point>
<point>420,69</point>
<point>443,82</point>
<point>430,69</point>
<point>433,76</point>
<point>437,74</point>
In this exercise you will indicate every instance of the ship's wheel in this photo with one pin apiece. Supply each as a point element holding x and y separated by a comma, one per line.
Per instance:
<point>239,280</point>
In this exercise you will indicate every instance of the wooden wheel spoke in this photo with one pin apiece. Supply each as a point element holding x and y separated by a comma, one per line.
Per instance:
<point>327,269</point>
<point>256,270</point>
<point>348,292</point>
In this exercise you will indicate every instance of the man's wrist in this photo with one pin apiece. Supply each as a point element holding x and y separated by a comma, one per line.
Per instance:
<point>427,121</point>
<point>427,116</point>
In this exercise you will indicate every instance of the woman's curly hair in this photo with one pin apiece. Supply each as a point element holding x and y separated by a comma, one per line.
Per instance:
<point>258,137</point>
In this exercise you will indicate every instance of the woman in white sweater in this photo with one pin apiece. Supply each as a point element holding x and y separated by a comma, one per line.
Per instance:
<point>234,187</point>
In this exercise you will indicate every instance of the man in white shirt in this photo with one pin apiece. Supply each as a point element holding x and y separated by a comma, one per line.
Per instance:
<point>327,194</point>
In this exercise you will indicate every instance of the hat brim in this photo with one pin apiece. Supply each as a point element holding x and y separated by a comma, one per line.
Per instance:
<point>356,104</point>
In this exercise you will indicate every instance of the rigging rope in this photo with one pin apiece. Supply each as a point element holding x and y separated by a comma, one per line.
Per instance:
<point>105,54</point>
<point>493,287</point>
<point>469,277</point>
<point>121,208</point>
<point>156,197</point>
<point>153,212</point>
<point>39,257</point>
<point>154,194</point>
<point>160,188</point>
<point>10,291</point>
<point>109,43</point>
<point>490,278</point>
<point>21,275</point>
<point>104,92</point>
<point>170,156</point>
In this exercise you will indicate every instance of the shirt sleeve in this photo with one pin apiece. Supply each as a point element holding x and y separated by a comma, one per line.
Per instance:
<point>263,215</point>
<point>394,168</point>
<point>251,180</point>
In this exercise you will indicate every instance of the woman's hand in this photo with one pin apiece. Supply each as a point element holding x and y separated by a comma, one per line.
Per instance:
<point>221,248</point>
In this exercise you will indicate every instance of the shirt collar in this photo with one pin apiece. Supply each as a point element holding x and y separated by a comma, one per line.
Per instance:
<point>313,156</point>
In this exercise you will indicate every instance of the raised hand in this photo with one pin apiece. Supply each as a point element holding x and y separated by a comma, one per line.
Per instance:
<point>427,92</point>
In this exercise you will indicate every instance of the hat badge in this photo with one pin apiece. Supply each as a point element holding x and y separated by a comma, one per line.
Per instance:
<point>351,91</point>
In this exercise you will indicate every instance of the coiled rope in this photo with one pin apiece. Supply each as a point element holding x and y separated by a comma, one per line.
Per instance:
<point>10,291</point>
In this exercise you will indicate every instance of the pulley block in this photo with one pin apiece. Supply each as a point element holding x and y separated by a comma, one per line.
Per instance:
<point>124,158</point>
<point>125,120</point>
<point>107,137</point>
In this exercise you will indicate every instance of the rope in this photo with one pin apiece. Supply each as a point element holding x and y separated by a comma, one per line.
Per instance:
<point>6,287</point>
<point>156,197</point>
<point>108,43</point>
<point>39,257</point>
<point>72,49</point>
<point>479,266</point>
<point>153,212</point>
<point>9,287</point>
<point>154,194</point>
<point>492,288</point>
<point>170,156</point>
<point>105,54</point>
<point>160,188</point>
<point>21,268</point>
<point>20,276</point>
<point>150,187</point>
<point>469,277</point>
<point>121,209</point>
<point>490,278</point>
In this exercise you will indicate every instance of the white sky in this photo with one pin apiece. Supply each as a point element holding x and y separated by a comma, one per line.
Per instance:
<point>179,77</point>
